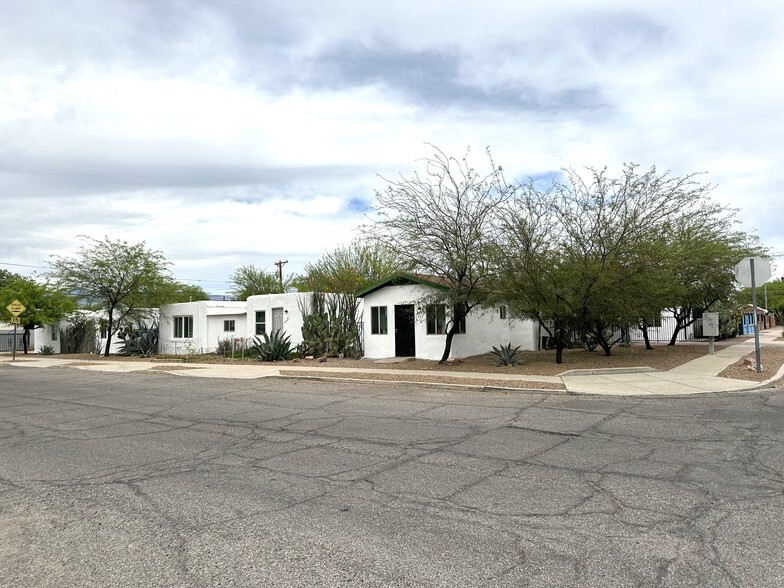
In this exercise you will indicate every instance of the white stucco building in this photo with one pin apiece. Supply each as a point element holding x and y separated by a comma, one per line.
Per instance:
<point>199,326</point>
<point>398,324</point>
<point>48,335</point>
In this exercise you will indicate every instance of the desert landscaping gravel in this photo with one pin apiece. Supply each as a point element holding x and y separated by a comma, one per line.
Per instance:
<point>532,363</point>
<point>771,360</point>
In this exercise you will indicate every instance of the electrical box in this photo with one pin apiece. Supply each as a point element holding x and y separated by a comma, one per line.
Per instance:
<point>710,324</point>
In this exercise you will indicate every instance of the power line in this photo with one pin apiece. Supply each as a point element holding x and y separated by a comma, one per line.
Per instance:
<point>22,265</point>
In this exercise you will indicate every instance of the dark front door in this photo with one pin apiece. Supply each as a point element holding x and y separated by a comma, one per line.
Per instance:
<point>404,330</point>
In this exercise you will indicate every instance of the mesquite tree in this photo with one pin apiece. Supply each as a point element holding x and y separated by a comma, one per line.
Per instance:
<point>595,254</point>
<point>125,280</point>
<point>439,223</point>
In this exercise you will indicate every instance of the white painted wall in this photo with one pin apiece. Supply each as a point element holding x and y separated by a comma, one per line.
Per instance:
<point>484,327</point>
<point>292,315</point>
<point>38,337</point>
<point>208,317</point>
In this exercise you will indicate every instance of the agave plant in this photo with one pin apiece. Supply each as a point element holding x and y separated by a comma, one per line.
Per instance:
<point>141,340</point>
<point>506,354</point>
<point>46,350</point>
<point>273,347</point>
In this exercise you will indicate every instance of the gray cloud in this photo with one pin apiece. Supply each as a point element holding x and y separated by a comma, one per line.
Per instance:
<point>433,78</point>
<point>190,103</point>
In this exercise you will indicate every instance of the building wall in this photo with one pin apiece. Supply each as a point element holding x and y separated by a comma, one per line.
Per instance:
<point>292,315</point>
<point>38,338</point>
<point>484,327</point>
<point>208,317</point>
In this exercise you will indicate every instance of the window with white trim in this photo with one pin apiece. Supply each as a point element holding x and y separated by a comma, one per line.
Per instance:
<point>502,312</point>
<point>228,326</point>
<point>378,320</point>
<point>261,322</point>
<point>183,327</point>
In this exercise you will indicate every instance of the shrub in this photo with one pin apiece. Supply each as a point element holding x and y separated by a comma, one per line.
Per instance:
<point>274,347</point>
<point>231,345</point>
<point>46,350</point>
<point>79,336</point>
<point>506,354</point>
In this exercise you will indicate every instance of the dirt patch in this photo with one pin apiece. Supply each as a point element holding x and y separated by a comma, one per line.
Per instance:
<point>542,363</point>
<point>536,363</point>
<point>434,379</point>
<point>771,360</point>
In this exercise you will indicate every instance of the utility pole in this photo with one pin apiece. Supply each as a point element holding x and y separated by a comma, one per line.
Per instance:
<point>280,265</point>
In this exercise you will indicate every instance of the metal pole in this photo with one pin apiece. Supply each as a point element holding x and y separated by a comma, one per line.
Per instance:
<point>756,326</point>
<point>13,355</point>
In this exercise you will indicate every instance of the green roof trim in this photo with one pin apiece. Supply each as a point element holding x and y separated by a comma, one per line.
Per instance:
<point>403,279</point>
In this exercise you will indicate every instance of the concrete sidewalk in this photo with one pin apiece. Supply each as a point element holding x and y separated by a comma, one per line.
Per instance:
<point>694,377</point>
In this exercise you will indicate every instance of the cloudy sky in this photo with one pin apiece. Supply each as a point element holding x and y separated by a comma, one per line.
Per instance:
<point>249,131</point>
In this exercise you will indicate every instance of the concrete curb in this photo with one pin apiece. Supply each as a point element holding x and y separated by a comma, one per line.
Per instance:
<point>608,371</point>
<point>428,384</point>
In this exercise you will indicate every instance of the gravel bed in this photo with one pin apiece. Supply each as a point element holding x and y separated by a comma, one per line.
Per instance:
<point>534,363</point>
<point>771,360</point>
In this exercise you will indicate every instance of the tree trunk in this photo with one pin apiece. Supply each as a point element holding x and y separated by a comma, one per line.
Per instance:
<point>644,329</point>
<point>559,347</point>
<point>26,338</point>
<point>678,328</point>
<point>602,341</point>
<point>109,322</point>
<point>448,343</point>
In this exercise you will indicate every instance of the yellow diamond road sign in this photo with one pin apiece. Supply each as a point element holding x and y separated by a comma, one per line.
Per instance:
<point>16,308</point>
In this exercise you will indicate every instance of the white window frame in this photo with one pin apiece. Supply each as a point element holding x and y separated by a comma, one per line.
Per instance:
<point>183,327</point>
<point>261,321</point>
<point>229,325</point>
<point>379,320</point>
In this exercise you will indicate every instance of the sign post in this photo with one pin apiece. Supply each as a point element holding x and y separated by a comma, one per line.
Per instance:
<point>749,272</point>
<point>15,308</point>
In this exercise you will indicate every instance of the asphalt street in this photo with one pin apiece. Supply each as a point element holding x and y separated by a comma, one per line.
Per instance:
<point>151,479</point>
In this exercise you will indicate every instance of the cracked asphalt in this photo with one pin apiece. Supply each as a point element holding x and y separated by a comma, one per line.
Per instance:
<point>149,479</point>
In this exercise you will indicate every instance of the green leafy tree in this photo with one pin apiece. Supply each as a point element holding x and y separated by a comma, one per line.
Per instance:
<point>775,294</point>
<point>44,304</point>
<point>702,253</point>
<point>5,275</point>
<point>439,223</point>
<point>596,254</point>
<point>250,280</point>
<point>173,291</point>
<point>125,280</point>
<point>349,269</point>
